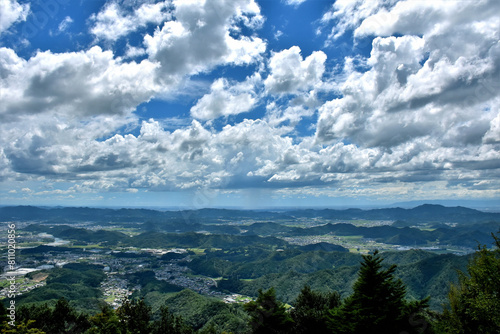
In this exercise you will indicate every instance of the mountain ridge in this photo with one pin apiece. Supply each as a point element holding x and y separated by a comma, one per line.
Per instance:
<point>429,213</point>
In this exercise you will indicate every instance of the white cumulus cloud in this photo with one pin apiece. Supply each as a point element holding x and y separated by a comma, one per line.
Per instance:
<point>11,12</point>
<point>290,73</point>
<point>440,84</point>
<point>200,37</point>
<point>224,99</point>
<point>113,21</point>
<point>74,84</point>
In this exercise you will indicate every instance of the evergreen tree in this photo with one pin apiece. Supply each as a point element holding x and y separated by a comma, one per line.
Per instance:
<point>64,319</point>
<point>105,322</point>
<point>268,315</point>
<point>378,304</point>
<point>61,319</point>
<point>134,317</point>
<point>41,315</point>
<point>475,301</point>
<point>170,324</point>
<point>4,316</point>
<point>311,310</point>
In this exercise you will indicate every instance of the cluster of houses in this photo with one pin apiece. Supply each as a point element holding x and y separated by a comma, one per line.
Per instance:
<point>115,287</point>
<point>115,290</point>
<point>178,275</point>
<point>25,286</point>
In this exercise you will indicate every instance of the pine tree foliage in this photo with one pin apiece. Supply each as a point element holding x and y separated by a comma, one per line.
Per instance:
<point>58,320</point>
<point>268,315</point>
<point>311,310</point>
<point>475,300</point>
<point>105,322</point>
<point>134,317</point>
<point>170,324</point>
<point>378,303</point>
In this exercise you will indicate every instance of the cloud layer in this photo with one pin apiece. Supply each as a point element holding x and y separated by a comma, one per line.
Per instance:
<point>418,115</point>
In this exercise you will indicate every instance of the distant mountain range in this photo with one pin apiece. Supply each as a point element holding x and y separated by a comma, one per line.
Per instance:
<point>490,205</point>
<point>427,213</point>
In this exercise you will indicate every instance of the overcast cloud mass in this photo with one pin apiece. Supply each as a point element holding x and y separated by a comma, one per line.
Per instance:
<point>248,103</point>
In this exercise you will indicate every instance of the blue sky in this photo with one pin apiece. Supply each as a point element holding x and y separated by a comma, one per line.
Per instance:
<point>249,103</point>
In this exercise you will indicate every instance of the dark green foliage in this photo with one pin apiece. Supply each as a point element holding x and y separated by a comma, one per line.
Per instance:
<point>169,323</point>
<point>199,240</point>
<point>74,273</point>
<point>65,319</point>
<point>200,312</point>
<point>324,246</point>
<point>46,249</point>
<point>231,284</point>
<point>3,314</point>
<point>288,285</point>
<point>58,320</point>
<point>311,310</point>
<point>134,317</point>
<point>99,236</point>
<point>430,276</point>
<point>232,319</point>
<point>78,283</point>
<point>377,304</point>
<point>268,315</point>
<point>196,309</point>
<point>475,300</point>
<point>21,328</point>
<point>172,256</point>
<point>105,322</point>
<point>424,273</point>
<point>75,292</point>
<point>148,282</point>
<point>268,262</point>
